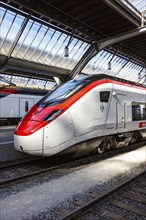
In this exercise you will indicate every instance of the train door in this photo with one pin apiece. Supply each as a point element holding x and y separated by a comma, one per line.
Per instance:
<point>120,110</point>
<point>25,105</point>
<point>122,115</point>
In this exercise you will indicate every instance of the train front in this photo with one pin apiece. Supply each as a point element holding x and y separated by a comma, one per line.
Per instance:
<point>28,135</point>
<point>47,128</point>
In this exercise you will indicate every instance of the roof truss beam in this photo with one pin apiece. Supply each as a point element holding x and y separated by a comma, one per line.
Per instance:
<point>98,46</point>
<point>25,68</point>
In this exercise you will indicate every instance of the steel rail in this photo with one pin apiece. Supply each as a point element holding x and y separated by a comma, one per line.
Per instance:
<point>99,199</point>
<point>83,160</point>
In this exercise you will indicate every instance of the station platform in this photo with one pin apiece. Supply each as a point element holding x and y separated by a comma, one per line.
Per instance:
<point>7,150</point>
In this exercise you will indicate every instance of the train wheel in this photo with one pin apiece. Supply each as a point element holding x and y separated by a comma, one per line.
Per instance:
<point>102,147</point>
<point>107,143</point>
<point>113,142</point>
<point>135,137</point>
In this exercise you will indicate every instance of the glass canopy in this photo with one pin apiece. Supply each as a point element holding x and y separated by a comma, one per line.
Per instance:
<point>138,6</point>
<point>6,80</point>
<point>29,38</point>
<point>114,65</point>
<point>38,42</point>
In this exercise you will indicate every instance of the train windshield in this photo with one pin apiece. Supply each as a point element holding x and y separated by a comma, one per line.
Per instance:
<point>65,91</point>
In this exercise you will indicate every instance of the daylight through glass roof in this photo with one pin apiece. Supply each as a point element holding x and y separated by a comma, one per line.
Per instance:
<point>38,42</point>
<point>140,5</point>
<point>28,38</point>
<point>26,82</point>
<point>114,65</point>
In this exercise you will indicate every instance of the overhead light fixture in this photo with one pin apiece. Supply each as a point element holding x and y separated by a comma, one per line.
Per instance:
<point>66,51</point>
<point>143,77</point>
<point>109,66</point>
<point>110,62</point>
<point>139,74</point>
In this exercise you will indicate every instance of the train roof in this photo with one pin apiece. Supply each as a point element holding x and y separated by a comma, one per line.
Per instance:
<point>24,91</point>
<point>32,91</point>
<point>94,77</point>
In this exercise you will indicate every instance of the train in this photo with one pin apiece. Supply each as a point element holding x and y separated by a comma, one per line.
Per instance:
<point>16,102</point>
<point>91,113</point>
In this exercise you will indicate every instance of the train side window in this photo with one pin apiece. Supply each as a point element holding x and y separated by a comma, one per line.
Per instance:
<point>26,106</point>
<point>138,111</point>
<point>104,96</point>
<point>144,113</point>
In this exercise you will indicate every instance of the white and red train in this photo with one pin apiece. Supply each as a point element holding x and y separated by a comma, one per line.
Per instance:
<point>90,113</point>
<point>15,103</point>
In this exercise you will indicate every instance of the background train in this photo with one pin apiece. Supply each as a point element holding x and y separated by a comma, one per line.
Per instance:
<point>15,103</point>
<point>90,113</point>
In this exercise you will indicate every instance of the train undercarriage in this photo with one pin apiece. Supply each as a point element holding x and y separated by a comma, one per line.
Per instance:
<point>101,144</point>
<point>120,140</point>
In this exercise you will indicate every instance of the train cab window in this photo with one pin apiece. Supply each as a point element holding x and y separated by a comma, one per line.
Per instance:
<point>104,96</point>
<point>138,111</point>
<point>65,91</point>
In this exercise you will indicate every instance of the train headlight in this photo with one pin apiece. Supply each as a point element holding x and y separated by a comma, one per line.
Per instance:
<point>54,114</point>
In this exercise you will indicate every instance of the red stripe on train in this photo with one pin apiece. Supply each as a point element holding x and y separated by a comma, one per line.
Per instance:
<point>37,114</point>
<point>7,91</point>
<point>142,124</point>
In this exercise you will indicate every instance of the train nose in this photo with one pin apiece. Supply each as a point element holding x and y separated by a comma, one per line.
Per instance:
<point>29,140</point>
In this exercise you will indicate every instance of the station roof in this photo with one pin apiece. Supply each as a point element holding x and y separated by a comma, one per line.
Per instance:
<point>93,20</point>
<point>52,24</point>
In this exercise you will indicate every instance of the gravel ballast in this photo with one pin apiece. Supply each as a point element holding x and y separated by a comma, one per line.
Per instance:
<point>37,199</point>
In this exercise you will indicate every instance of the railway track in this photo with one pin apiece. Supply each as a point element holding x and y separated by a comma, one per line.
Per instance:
<point>19,163</point>
<point>31,169</point>
<point>42,166</point>
<point>113,203</point>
